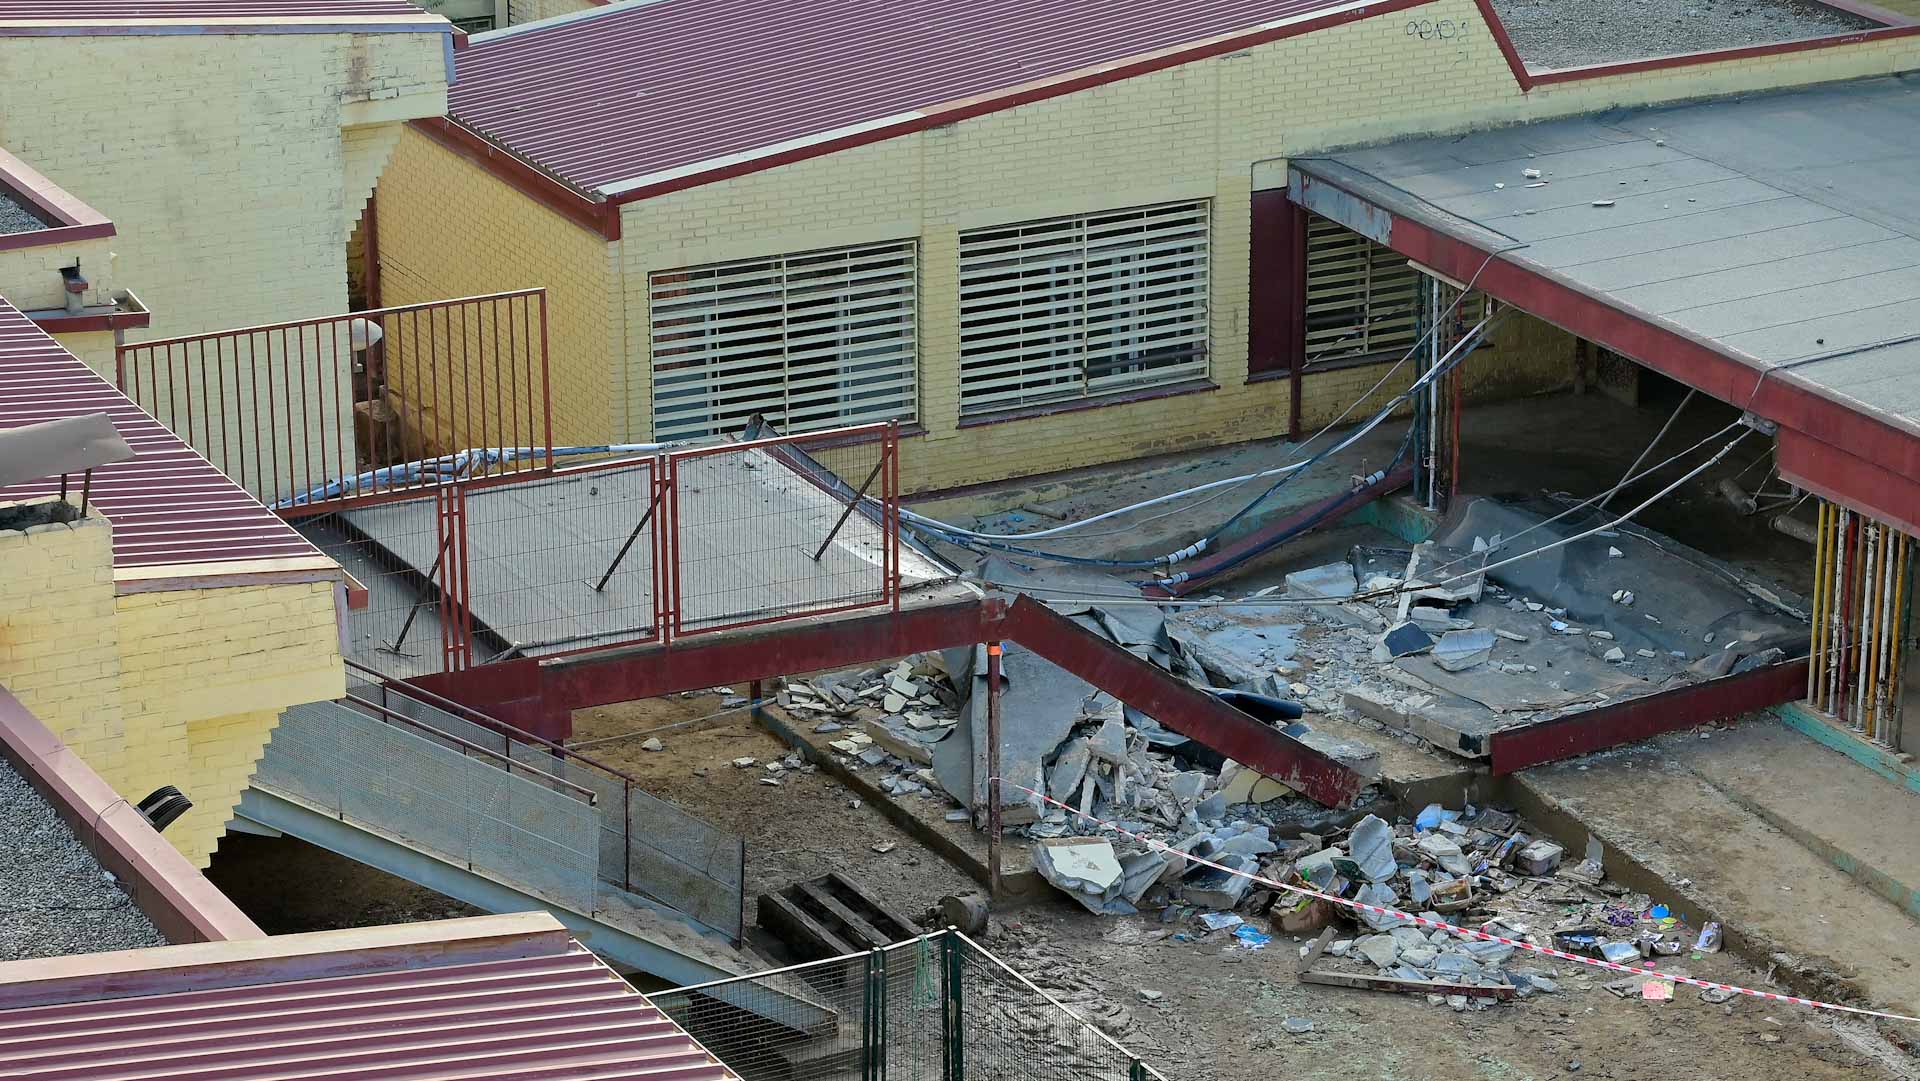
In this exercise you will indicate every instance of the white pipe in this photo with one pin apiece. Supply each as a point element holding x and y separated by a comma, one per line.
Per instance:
<point>1888,631</point>
<point>1836,656</point>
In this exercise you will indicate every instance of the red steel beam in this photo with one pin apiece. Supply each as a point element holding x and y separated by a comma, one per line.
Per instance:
<point>1178,706</point>
<point>1642,718</point>
<point>623,675</point>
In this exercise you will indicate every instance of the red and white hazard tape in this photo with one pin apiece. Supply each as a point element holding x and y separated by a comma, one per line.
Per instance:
<point>1468,931</point>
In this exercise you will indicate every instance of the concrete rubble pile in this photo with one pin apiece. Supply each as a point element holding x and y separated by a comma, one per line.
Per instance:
<point>881,717</point>
<point>1477,868</point>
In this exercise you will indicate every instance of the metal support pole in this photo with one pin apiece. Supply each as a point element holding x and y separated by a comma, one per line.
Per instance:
<point>433,578</point>
<point>1433,394</point>
<point>601,585</point>
<point>953,1028</point>
<point>852,503</point>
<point>993,771</point>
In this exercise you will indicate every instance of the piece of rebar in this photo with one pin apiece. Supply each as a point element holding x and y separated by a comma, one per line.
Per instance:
<point>851,503</point>
<point>601,585</point>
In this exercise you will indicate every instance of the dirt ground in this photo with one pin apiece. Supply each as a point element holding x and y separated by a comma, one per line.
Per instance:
<point>1220,1008</point>
<point>802,828</point>
<point>288,886</point>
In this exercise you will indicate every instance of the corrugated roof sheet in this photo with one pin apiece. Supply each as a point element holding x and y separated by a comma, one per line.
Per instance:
<point>167,504</point>
<point>191,10</point>
<point>639,89</point>
<point>563,1017</point>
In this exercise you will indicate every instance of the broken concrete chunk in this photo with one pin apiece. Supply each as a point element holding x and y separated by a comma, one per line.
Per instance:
<point>653,744</point>
<point>1615,553</point>
<point>1331,581</point>
<point>1372,843</point>
<point>1085,869</point>
<point>1380,895</point>
<point>1510,635</point>
<point>1069,769</point>
<point>893,703</point>
<point>1459,650</point>
<point>1382,950</point>
<point>1446,853</point>
<point>1604,636</point>
<point>1222,889</point>
<point>1405,640</point>
<point>742,763</point>
<point>1616,655</point>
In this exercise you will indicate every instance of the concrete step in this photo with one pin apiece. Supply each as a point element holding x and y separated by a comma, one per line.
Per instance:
<point>1677,835</point>
<point>1862,824</point>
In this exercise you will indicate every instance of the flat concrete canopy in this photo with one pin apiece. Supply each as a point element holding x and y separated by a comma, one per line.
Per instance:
<point>1764,249</point>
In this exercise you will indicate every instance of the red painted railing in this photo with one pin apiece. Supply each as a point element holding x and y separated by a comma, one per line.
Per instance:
<point>622,552</point>
<point>335,411</point>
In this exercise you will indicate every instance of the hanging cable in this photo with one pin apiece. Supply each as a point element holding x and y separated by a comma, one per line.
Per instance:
<point>1227,482</point>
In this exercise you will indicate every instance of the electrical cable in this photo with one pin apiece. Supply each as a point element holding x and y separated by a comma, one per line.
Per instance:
<point>1234,482</point>
<point>1288,602</point>
<point>974,541</point>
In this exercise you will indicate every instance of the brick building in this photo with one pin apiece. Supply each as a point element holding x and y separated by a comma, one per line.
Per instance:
<point>1083,255</point>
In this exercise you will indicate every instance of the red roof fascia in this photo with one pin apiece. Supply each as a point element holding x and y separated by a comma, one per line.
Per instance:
<point>73,219</point>
<point>1779,396</point>
<point>591,214</point>
<point>164,886</point>
<point>510,93</point>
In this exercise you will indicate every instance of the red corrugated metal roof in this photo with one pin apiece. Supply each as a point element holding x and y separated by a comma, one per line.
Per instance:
<point>196,10</point>
<point>561,1017</point>
<point>167,504</point>
<point>604,99</point>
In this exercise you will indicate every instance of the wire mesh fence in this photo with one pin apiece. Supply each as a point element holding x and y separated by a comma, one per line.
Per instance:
<point>783,527</point>
<point>936,1008</point>
<point>645,845</point>
<point>458,799</point>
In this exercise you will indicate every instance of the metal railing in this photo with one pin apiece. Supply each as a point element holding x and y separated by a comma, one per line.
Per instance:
<point>780,528</point>
<point>287,409</point>
<point>646,845</point>
<point>622,552</point>
<point>1864,572</point>
<point>936,1008</point>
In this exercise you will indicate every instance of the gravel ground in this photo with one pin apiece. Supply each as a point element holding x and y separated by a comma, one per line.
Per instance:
<point>1574,33</point>
<point>15,218</point>
<point>54,898</point>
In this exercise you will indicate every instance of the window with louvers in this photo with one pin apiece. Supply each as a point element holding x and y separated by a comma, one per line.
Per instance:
<point>1074,307</point>
<point>816,340</point>
<point>1362,297</point>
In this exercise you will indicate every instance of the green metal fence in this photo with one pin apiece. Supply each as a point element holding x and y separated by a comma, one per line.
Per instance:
<point>937,1008</point>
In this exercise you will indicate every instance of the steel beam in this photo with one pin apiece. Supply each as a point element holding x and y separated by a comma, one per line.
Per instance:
<point>1179,706</point>
<point>624,675</point>
<point>1642,718</point>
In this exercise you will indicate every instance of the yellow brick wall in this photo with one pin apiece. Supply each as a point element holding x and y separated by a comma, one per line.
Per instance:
<point>60,641</point>
<point>179,687</point>
<point>1215,129</point>
<point>215,667</point>
<point>30,277</point>
<point>449,228</point>
<point>95,347</point>
<point>222,162</point>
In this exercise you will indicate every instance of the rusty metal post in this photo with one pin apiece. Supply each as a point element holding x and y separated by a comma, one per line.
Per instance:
<point>993,770</point>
